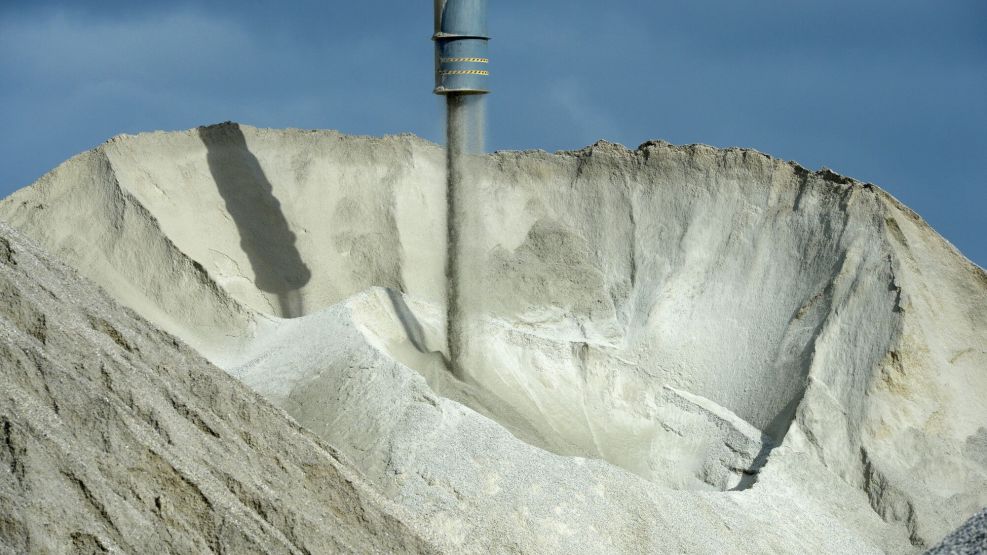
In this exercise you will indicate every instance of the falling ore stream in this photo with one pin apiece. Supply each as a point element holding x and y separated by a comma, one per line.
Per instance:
<point>461,71</point>
<point>465,131</point>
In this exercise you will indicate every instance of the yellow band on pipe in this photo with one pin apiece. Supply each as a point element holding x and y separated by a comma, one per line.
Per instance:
<point>466,60</point>
<point>465,72</point>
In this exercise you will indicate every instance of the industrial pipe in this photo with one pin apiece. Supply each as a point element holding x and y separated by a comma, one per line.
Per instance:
<point>461,47</point>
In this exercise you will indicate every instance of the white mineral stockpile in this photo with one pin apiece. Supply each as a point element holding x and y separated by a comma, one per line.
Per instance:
<point>668,349</point>
<point>117,438</point>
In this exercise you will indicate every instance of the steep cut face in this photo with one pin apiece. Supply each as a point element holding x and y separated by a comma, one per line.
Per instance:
<point>601,284</point>
<point>291,223</point>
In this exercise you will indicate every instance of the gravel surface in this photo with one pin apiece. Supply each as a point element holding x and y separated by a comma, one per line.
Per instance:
<point>969,539</point>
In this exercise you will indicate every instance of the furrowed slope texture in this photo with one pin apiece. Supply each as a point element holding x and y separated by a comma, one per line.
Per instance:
<point>704,319</point>
<point>116,437</point>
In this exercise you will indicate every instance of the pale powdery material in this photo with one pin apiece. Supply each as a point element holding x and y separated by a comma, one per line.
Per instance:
<point>667,349</point>
<point>117,438</point>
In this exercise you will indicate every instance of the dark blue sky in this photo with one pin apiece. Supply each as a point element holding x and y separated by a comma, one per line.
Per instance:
<point>888,91</point>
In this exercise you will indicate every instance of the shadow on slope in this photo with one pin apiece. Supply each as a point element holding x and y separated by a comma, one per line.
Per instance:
<point>265,235</point>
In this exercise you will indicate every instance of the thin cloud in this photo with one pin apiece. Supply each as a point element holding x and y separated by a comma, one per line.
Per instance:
<point>69,47</point>
<point>589,120</point>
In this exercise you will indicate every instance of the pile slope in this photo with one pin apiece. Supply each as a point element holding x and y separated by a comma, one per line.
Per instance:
<point>644,329</point>
<point>117,437</point>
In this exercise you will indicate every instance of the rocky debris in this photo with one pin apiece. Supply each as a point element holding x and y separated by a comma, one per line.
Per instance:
<point>741,450</point>
<point>969,539</point>
<point>117,438</point>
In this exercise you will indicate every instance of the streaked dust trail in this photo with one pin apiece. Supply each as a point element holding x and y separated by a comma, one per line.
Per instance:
<point>465,132</point>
